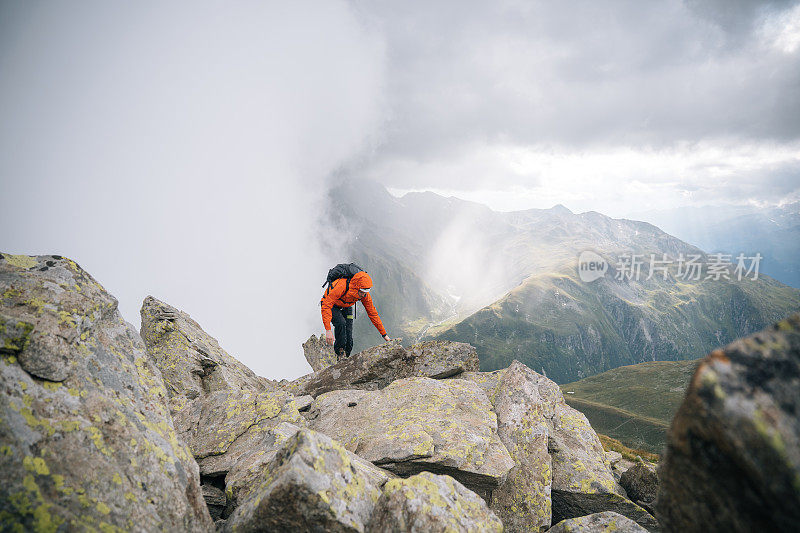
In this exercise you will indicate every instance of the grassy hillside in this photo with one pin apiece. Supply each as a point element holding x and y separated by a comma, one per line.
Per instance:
<point>508,284</point>
<point>569,329</point>
<point>633,404</point>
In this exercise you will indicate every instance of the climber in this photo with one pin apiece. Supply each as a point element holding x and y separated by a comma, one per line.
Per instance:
<point>338,305</point>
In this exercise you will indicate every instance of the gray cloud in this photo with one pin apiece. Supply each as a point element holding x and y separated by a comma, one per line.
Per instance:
<point>181,149</point>
<point>582,74</point>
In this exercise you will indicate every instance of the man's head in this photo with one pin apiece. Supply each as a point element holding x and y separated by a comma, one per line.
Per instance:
<point>363,292</point>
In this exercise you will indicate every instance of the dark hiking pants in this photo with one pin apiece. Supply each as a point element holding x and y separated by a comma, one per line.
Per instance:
<point>342,318</point>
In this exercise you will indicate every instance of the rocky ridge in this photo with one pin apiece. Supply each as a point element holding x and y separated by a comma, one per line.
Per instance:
<point>104,428</point>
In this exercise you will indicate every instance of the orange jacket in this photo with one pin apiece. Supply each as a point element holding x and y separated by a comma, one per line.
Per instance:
<point>335,295</point>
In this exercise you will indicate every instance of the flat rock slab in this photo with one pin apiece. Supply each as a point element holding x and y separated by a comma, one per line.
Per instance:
<point>419,424</point>
<point>598,523</point>
<point>311,484</point>
<point>86,438</point>
<point>430,503</point>
<point>376,367</point>
<point>732,461</point>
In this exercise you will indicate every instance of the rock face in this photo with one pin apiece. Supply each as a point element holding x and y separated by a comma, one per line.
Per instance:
<point>318,353</point>
<point>598,523</point>
<point>86,437</point>
<point>582,480</point>
<point>523,501</point>
<point>416,424</point>
<point>640,482</point>
<point>377,367</point>
<point>227,415</point>
<point>311,484</point>
<point>431,503</point>
<point>192,362</point>
<point>560,468</point>
<point>732,460</point>
<point>223,427</point>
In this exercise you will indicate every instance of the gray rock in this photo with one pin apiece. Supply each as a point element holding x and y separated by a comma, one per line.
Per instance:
<point>223,427</point>
<point>221,409</point>
<point>311,484</point>
<point>598,523</point>
<point>87,439</point>
<point>319,353</point>
<point>732,461</point>
<point>575,480</point>
<point>582,480</point>
<point>191,361</point>
<point>215,500</point>
<point>431,503</point>
<point>419,424</point>
<point>640,482</point>
<point>376,367</point>
<point>523,500</point>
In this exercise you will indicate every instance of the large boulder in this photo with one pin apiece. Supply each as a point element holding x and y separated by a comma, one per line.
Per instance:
<point>311,484</point>
<point>430,503</point>
<point>318,353</point>
<point>376,367</point>
<point>221,408</point>
<point>582,479</point>
<point>570,477</point>
<point>191,361</point>
<point>87,438</point>
<point>224,427</point>
<point>640,482</point>
<point>419,424</point>
<point>523,501</point>
<point>598,523</point>
<point>732,461</point>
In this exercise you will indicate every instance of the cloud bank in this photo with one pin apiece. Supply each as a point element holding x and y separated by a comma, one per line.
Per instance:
<point>181,149</point>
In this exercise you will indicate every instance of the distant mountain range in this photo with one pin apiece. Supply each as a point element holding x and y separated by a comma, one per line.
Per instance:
<point>508,284</point>
<point>774,232</point>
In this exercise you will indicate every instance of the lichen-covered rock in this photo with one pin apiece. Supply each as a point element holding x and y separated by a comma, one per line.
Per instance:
<point>571,477</point>
<point>582,480</point>
<point>318,353</point>
<point>430,503</point>
<point>598,523</point>
<point>191,361</point>
<point>523,500</point>
<point>311,484</point>
<point>378,366</point>
<point>223,427</point>
<point>732,461</point>
<point>249,469</point>
<point>640,482</point>
<point>86,440</point>
<point>221,409</point>
<point>419,424</point>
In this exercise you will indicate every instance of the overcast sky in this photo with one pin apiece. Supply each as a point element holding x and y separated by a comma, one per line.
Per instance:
<point>182,149</point>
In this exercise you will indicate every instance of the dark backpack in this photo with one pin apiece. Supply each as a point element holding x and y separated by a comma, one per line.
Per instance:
<point>342,270</point>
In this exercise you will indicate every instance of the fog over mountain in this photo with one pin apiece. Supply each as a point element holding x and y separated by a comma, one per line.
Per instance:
<point>185,150</point>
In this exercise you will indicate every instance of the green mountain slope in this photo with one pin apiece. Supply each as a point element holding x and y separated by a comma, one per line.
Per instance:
<point>508,284</point>
<point>570,329</point>
<point>634,403</point>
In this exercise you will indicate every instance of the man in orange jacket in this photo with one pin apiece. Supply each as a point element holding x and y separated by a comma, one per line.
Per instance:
<point>338,306</point>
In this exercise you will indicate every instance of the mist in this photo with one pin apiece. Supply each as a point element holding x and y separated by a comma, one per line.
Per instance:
<point>181,150</point>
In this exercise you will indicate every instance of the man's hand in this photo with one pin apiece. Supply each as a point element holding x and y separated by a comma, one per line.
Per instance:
<point>329,337</point>
<point>386,338</point>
